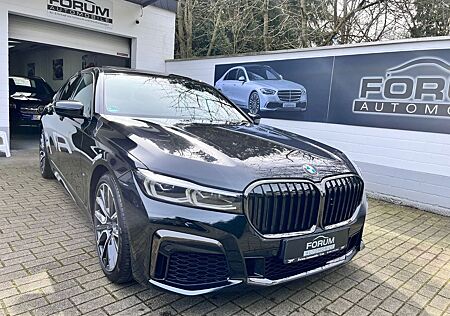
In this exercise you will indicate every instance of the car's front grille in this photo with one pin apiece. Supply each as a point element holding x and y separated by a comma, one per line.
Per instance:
<point>289,95</point>
<point>342,197</point>
<point>288,207</point>
<point>197,270</point>
<point>32,110</point>
<point>276,269</point>
<point>275,208</point>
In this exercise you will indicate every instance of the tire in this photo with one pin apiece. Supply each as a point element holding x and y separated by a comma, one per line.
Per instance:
<point>44,163</point>
<point>254,103</point>
<point>111,236</point>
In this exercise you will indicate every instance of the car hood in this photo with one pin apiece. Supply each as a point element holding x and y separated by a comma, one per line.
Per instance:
<point>278,84</point>
<point>29,98</point>
<point>224,156</point>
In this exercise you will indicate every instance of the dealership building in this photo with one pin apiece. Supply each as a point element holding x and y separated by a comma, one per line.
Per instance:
<point>54,39</point>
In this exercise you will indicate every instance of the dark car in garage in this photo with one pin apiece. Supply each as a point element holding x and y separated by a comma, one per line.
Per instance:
<point>28,97</point>
<point>189,193</point>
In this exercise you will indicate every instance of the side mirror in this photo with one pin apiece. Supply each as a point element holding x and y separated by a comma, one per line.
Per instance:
<point>73,109</point>
<point>242,78</point>
<point>256,118</point>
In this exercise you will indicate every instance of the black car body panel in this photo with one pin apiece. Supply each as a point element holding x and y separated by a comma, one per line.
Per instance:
<point>232,157</point>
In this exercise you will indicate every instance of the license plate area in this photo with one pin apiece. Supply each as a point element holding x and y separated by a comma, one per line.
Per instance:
<point>36,117</point>
<point>306,247</point>
<point>289,104</point>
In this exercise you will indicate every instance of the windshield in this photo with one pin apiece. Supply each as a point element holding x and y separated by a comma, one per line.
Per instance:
<point>20,85</point>
<point>262,73</point>
<point>172,97</point>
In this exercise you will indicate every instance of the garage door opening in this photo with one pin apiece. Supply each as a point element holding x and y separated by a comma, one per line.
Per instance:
<point>42,57</point>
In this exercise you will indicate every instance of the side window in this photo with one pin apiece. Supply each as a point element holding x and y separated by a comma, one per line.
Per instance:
<point>231,75</point>
<point>85,93</point>
<point>68,89</point>
<point>240,73</point>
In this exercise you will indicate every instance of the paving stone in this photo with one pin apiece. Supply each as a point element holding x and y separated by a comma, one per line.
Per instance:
<point>97,303</point>
<point>369,302</point>
<point>317,303</point>
<point>200,309</point>
<point>285,307</point>
<point>139,309</point>
<point>302,296</point>
<point>260,307</point>
<point>122,305</point>
<point>225,310</point>
<point>53,308</point>
<point>340,306</point>
<point>408,310</point>
<point>391,304</point>
<point>64,294</point>
<point>354,295</point>
<point>356,310</point>
<point>440,302</point>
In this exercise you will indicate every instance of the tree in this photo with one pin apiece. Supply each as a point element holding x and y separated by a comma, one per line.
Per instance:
<point>431,18</point>
<point>224,27</point>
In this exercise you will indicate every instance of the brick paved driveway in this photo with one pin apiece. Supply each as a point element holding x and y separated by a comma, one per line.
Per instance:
<point>48,264</point>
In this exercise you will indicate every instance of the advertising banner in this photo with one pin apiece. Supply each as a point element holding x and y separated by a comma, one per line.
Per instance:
<point>397,90</point>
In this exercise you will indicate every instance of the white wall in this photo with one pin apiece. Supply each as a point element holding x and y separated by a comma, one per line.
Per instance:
<point>406,166</point>
<point>153,39</point>
<point>43,60</point>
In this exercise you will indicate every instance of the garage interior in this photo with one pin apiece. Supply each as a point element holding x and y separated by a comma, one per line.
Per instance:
<point>35,46</point>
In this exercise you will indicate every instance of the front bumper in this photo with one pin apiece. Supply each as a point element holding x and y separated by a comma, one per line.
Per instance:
<point>19,118</point>
<point>274,103</point>
<point>183,249</point>
<point>280,106</point>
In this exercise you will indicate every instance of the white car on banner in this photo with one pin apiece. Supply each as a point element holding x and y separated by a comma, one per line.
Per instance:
<point>260,88</point>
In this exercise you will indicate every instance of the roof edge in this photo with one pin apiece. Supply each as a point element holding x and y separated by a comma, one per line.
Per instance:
<point>319,48</point>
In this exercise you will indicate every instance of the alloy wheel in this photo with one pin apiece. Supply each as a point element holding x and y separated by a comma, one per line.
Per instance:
<point>106,227</point>
<point>253,104</point>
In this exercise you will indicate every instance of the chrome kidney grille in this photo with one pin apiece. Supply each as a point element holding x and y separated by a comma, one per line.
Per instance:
<point>276,207</point>
<point>289,95</point>
<point>342,197</point>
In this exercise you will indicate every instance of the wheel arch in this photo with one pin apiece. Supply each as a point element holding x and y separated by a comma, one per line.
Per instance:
<point>97,173</point>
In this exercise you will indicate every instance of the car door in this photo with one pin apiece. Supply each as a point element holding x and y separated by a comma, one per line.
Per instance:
<point>239,88</point>
<point>55,126</point>
<point>228,85</point>
<point>84,93</point>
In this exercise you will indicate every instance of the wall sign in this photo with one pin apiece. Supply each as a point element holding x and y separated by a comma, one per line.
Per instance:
<point>397,90</point>
<point>97,11</point>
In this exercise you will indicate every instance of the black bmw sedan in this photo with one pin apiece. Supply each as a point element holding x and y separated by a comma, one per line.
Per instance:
<point>189,193</point>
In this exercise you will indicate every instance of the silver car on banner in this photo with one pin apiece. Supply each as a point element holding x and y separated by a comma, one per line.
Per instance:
<point>260,88</point>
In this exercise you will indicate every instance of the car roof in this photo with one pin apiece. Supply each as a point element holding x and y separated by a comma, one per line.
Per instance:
<point>116,70</point>
<point>256,65</point>
<point>112,69</point>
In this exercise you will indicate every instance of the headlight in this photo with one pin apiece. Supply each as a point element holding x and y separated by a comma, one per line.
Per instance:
<point>268,91</point>
<point>186,193</point>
